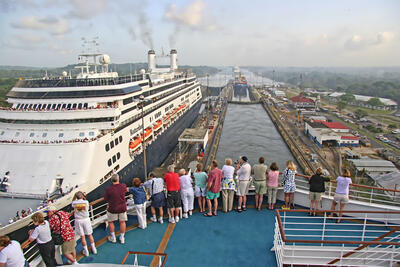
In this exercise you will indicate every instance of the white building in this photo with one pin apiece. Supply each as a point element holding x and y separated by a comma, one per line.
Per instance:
<point>330,133</point>
<point>360,100</point>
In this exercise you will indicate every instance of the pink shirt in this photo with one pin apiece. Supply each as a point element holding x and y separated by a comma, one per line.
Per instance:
<point>273,177</point>
<point>214,178</point>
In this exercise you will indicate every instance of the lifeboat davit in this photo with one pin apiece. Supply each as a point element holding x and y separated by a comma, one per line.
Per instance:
<point>159,123</point>
<point>135,143</point>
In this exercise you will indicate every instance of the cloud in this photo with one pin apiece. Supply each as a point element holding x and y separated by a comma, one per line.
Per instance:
<point>86,9</point>
<point>356,41</point>
<point>60,50</point>
<point>30,38</point>
<point>192,15</point>
<point>48,24</point>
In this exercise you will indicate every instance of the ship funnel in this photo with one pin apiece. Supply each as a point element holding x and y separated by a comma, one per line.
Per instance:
<point>173,57</point>
<point>151,57</point>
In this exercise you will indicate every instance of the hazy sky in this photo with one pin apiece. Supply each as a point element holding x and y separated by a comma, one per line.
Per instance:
<point>205,32</point>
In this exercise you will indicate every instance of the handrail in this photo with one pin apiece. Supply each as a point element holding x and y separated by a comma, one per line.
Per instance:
<point>354,185</point>
<point>364,246</point>
<point>165,255</point>
<point>341,242</point>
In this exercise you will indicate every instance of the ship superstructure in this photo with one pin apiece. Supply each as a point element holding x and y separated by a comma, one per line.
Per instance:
<point>65,132</point>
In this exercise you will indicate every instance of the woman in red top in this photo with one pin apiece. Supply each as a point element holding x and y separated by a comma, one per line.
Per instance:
<point>59,220</point>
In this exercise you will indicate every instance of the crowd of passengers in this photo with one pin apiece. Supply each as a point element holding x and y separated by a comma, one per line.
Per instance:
<point>181,190</point>
<point>56,107</point>
<point>76,140</point>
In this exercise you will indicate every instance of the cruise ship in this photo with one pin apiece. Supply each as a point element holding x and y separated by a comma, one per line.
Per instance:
<point>68,133</point>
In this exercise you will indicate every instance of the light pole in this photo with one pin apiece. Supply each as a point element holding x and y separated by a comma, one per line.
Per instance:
<point>143,141</point>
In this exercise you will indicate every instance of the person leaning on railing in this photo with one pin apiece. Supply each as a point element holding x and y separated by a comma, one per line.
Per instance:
<point>11,254</point>
<point>317,188</point>
<point>289,184</point>
<point>342,193</point>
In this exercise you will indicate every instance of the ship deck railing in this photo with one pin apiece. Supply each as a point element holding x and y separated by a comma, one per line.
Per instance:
<point>363,193</point>
<point>158,259</point>
<point>318,240</point>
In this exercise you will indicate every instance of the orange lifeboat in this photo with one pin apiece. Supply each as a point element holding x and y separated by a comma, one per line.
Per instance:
<point>182,106</point>
<point>166,117</point>
<point>159,123</point>
<point>147,132</point>
<point>136,142</point>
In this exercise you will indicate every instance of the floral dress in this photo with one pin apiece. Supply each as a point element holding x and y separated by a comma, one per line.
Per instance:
<point>228,182</point>
<point>289,184</point>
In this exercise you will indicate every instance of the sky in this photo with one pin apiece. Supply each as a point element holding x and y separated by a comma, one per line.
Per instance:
<point>356,33</point>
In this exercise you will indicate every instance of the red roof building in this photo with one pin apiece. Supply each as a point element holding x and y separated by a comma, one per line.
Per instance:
<point>300,101</point>
<point>335,126</point>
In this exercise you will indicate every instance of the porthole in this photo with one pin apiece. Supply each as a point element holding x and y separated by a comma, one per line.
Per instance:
<point>44,134</point>
<point>120,139</point>
<point>109,163</point>
<point>118,155</point>
<point>112,144</point>
<point>116,141</point>
<point>91,133</point>
<point>31,134</point>
<point>107,147</point>
<point>114,159</point>
<point>81,134</point>
<point>60,135</point>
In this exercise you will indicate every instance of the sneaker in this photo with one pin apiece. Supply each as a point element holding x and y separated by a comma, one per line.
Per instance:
<point>185,215</point>
<point>176,219</point>
<point>171,220</point>
<point>122,239</point>
<point>74,263</point>
<point>112,239</point>
<point>94,250</point>
<point>153,218</point>
<point>160,220</point>
<point>85,252</point>
<point>190,213</point>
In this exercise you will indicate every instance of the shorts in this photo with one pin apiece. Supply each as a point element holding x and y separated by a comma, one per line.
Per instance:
<point>315,196</point>
<point>173,199</point>
<point>341,198</point>
<point>199,191</point>
<point>117,216</point>
<point>210,195</point>
<point>243,187</point>
<point>83,227</point>
<point>158,200</point>
<point>68,247</point>
<point>260,187</point>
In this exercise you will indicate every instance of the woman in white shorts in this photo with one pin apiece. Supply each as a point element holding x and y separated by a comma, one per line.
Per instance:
<point>342,193</point>
<point>200,178</point>
<point>83,226</point>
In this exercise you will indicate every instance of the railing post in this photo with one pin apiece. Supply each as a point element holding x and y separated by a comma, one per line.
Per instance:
<point>323,229</point>
<point>91,212</point>
<point>364,226</point>
<point>371,194</point>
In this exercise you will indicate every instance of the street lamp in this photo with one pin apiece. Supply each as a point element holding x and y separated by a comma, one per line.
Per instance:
<point>143,141</point>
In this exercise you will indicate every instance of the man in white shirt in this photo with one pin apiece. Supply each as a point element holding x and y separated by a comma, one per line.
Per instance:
<point>158,201</point>
<point>243,172</point>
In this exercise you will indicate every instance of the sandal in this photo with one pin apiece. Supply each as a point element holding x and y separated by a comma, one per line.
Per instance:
<point>239,210</point>
<point>215,214</point>
<point>244,209</point>
<point>207,215</point>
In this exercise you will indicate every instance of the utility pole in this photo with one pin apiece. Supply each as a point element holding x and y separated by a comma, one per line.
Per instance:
<point>144,137</point>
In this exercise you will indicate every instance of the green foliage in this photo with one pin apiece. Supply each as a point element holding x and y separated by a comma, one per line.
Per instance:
<point>360,113</point>
<point>341,105</point>
<point>373,129</point>
<point>375,102</point>
<point>392,126</point>
<point>5,85</point>
<point>347,97</point>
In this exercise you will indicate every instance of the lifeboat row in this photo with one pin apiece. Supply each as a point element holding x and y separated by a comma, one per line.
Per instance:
<point>135,143</point>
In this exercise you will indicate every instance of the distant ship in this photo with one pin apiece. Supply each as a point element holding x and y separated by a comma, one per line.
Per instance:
<point>239,84</point>
<point>66,133</point>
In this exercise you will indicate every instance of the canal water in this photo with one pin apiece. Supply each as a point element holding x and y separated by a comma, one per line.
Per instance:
<point>248,131</point>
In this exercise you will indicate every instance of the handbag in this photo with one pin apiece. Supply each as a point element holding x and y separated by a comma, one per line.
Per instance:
<point>57,237</point>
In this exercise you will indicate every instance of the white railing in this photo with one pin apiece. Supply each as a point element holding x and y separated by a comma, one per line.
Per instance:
<point>310,240</point>
<point>363,193</point>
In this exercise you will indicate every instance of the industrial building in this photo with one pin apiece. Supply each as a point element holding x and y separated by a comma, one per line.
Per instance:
<point>325,133</point>
<point>361,101</point>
